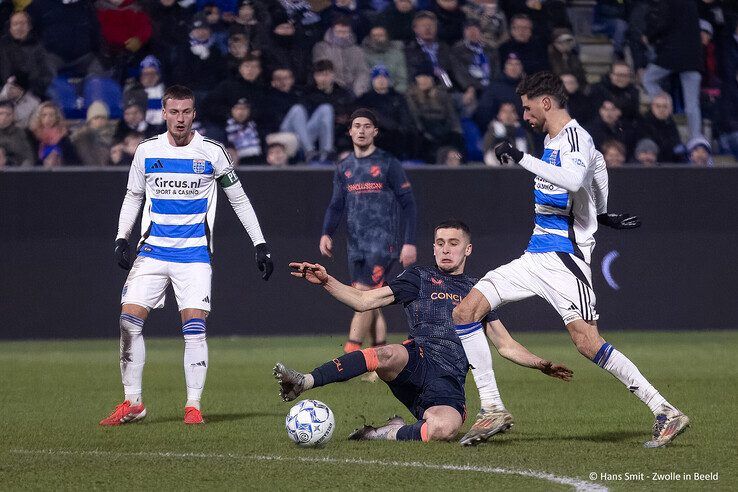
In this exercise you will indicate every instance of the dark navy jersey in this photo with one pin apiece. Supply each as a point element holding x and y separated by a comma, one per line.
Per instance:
<point>429,296</point>
<point>372,190</point>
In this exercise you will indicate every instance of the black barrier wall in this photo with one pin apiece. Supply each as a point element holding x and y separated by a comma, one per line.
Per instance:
<point>58,277</point>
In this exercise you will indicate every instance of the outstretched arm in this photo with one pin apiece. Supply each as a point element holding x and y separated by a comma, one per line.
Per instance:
<point>358,300</point>
<point>512,350</point>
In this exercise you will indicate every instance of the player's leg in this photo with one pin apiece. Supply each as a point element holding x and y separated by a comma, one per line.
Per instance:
<point>566,285</point>
<point>192,283</point>
<point>507,283</point>
<point>388,361</point>
<point>143,290</point>
<point>361,323</point>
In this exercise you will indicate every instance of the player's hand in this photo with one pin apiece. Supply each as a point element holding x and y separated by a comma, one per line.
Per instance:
<point>558,371</point>
<point>314,273</point>
<point>619,221</point>
<point>264,260</point>
<point>507,154</point>
<point>408,255</point>
<point>326,246</point>
<point>123,254</point>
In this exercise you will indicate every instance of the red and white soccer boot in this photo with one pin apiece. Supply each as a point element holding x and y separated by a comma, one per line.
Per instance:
<point>125,413</point>
<point>193,416</point>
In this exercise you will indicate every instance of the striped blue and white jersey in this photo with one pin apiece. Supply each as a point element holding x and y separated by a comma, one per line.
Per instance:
<point>180,196</point>
<point>566,213</point>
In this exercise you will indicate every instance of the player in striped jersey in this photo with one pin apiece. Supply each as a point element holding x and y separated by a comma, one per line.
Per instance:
<point>570,190</point>
<point>174,175</point>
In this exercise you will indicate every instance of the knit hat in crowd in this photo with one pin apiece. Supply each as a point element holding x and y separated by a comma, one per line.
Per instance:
<point>646,145</point>
<point>97,108</point>
<point>150,62</point>
<point>380,70</point>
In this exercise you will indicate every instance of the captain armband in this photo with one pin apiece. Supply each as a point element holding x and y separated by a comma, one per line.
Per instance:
<point>228,179</point>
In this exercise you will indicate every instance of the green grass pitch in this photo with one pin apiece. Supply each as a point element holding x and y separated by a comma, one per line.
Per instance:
<point>567,435</point>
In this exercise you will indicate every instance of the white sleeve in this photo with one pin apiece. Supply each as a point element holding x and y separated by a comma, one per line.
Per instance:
<point>574,163</point>
<point>245,212</point>
<point>600,183</point>
<point>134,197</point>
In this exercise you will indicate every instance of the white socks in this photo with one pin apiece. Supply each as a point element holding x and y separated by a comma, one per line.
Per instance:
<point>622,368</point>
<point>195,359</point>
<point>132,356</point>
<point>480,359</point>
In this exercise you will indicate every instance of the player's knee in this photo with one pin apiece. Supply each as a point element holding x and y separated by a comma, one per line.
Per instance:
<point>194,329</point>
<point>130,325</point>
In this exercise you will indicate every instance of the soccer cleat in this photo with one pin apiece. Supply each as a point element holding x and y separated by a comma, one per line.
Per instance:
<point>370,433</point>
<point>370,377</point>
<point>488,423</point>
<point>666,428</point>
<point>193,416</point>
<point>291,382</point>
<point>125,413</point>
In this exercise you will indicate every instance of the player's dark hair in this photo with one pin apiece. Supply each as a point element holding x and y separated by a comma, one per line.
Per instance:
<point>177,92</point>
<point>453,224</point>
<point>543,84</point>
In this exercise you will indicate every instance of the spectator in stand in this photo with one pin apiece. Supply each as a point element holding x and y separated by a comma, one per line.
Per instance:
<point>70,33</point>
<point>546,15</point>
<point>505,127</point>
<point>609,126</point>
<point>281,148</point>
<point>379,49</point>
<point>609,19</point>
<point>619,88</point>
<point>434,114</point>
<point>562,55</point>
<point>289,48</point>
<point>531,50</point>
<point>13,139</point>
<point>646,153</point>
<point>277,155</point>
<point>451,20</point>
<point>398,19</point>
<point>711,83</point>
<point>216,108</point>
<point>93,140</point>
<point>579,103</point>
<point>301,15</point>
<point>426,48</point>
<point>148,90</point>
<point>492,21</point>
<point>125,29</point>
<point>393,115</point>
<point>473,65</point>
<point>714,13</point>
<point>170,24</point>
<point>640,50</point>
<point>449,156</point>
<point>728,115</point>
<point>242,133</point>
<point>501,90</point>
<point>48,128</point>
<point>252,22</point>
<point>658,124</point>
<point>121,154</point>
<point>21,51</point>
<point>614,153</point>
<point>673,29</point>
<point>17,90</point>
<point>212,14</point>
<point>200,63</point>
<point>287,112</point>
<point>347,9</point>
<point>324,91</point>
<point>339,46</point>
<point>238,48</point>
<point>134,120</point>
<point>700,152</point>
<point>228,7</point>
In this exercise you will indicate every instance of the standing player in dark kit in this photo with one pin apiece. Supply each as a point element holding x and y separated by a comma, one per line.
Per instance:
<point>370,184</point>
<point>427,372</point>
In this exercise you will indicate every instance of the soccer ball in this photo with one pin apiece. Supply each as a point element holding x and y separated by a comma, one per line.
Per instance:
<point>310,423</point>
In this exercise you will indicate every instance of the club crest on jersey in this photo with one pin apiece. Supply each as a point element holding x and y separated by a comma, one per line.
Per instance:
<point>552,157</point>
<point>436,281</point>
<point>375,171</point>
<point>198,166</point>
<point>347,173</point>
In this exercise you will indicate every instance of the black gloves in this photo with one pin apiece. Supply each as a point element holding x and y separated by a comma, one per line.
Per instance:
<point>264,260</point>
<point>122,254</point>
<point>505,151</point>
<point>619,221</point>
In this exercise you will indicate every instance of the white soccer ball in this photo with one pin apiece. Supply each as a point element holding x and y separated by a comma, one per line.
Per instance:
<point>310,423</point>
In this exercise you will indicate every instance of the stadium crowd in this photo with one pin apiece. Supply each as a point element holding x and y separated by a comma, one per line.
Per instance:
<point>276,80</point>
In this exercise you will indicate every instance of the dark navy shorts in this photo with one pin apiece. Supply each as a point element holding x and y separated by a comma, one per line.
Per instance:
<point>372,269</point>
<point>423,384</point>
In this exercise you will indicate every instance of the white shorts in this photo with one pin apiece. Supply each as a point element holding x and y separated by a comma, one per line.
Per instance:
<point>562,279</point>
<point>149,278</point>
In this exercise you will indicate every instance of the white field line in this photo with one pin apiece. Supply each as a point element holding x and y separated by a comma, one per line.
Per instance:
<point>576,483</point>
